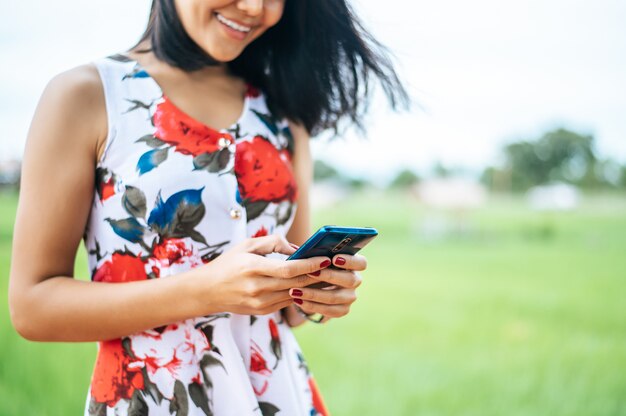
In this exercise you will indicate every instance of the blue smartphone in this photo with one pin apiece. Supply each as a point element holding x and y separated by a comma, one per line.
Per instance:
<point>331,240</point>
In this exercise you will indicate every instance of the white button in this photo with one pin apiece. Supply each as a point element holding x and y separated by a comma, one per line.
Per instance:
<point>235,213</point>
<point>223,142</point>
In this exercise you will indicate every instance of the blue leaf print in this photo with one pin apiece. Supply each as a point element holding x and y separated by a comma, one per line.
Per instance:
<point>141,74</point>
<point>238,197</point>
<point>178,215</point>
<point>151,160</point>
<point>268,120</point>
<point>129,229</point>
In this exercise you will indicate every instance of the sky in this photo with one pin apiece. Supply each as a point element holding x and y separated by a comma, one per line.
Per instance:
<point>481,74</point>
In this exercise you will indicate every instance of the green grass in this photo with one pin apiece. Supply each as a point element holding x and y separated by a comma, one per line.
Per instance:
<point>507,312</point>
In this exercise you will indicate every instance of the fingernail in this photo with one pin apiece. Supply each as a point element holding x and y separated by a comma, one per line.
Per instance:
<point>294,245</point>
<point>340,261</point>
<point>317,273</point>
<point>325,264</point>
<point>298,301</point>
<point>296,292</point>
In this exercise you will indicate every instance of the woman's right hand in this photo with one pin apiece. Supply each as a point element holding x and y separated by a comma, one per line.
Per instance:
<point>242,280</point>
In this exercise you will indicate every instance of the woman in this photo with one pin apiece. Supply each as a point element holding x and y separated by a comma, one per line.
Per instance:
<point>197,142</point>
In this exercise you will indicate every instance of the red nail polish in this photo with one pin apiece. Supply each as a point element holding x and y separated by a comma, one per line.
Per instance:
<point>296,292</point>
<point>325,264</point>
<point>298,301</point>
<point>317,273</point>
<point>340,261</point>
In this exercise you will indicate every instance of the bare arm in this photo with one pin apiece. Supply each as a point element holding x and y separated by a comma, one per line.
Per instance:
<point>48,304</point>
<point>343,277</point>
<point>301,227</point>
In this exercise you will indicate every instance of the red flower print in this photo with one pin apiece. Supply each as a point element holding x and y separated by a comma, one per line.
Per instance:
<point>171,355</point>
<point>171,250</point>
<point>120,268</point>
<point>257,362</point>
<point>275,341</point>
<point>113,379</point>
<point>189,136</point>
<point>252,92</point>
<point>105,183</point>
<point>259,370</point>
<point>263,172</point>
<point>274,330</point>
<point>318,402</point>
<point>108,189</point>
<point>262,232</point>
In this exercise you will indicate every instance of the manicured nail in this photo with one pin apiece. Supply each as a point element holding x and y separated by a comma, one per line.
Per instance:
<point>296,292</point>
<point>325,264</point>
<point>340,261</point>
<point>298,301</point>
<point>317,273</point>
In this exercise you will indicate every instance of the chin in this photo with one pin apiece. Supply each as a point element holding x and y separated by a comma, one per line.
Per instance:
<point>222,55</point>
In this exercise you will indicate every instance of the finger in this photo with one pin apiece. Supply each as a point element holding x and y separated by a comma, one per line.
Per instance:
<point>348,262</point>
<point>279,303</point>
<point>294,282</point>
<point>274,307</point>
<point>338,277</point>
<point>331,311</point>
<point>328,297</point>
<point>292,268</point>
<point>269,244</point>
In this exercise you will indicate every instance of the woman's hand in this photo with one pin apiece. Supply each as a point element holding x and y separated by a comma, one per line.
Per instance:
<point>243,281</point>
<point>333,301</point>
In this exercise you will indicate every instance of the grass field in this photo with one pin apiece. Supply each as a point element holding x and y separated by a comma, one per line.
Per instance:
<point>514,313</point>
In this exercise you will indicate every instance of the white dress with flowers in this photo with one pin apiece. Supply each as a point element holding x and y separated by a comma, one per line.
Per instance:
<point>173,194</point>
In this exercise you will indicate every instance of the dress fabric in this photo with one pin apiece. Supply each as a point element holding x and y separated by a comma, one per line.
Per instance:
<point>173,194</point>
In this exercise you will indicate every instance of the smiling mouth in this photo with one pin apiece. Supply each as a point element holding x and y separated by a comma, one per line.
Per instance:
<point>233,25</point>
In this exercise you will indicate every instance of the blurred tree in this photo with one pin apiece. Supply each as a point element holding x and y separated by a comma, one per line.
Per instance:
<point>404,179</point>
<point>323,171</point>
<point>441,171</point>
<point>558,156</point>
<point>357,183</point>
<point>495,179</point>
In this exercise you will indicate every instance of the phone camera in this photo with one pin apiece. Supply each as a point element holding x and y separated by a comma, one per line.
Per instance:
<point>342,244</point>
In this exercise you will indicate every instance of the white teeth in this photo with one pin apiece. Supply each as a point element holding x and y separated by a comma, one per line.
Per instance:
<point>232,25</point>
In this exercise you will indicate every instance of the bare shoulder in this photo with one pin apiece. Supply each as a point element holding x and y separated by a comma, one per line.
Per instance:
<point>298,131</point>
<point>73,103</point>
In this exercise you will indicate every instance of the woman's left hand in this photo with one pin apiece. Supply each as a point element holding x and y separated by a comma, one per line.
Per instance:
<point>333,301</point>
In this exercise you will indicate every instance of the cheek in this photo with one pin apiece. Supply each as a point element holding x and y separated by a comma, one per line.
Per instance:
<point>273,13</point>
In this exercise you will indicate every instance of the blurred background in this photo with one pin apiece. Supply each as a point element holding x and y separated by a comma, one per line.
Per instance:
<point>497,283</point>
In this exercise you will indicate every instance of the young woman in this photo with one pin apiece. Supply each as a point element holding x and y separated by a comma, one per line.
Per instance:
<point>197,142</point>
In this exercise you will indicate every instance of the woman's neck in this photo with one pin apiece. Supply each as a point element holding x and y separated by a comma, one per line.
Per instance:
<point>152,64</point>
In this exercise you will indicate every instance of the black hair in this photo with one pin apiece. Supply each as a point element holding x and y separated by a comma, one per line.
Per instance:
<point>314,66</point>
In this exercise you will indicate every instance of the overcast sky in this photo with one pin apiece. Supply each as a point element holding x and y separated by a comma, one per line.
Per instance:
<point>483,73</point>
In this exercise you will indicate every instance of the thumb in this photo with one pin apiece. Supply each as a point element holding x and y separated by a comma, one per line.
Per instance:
<point>270,244</point>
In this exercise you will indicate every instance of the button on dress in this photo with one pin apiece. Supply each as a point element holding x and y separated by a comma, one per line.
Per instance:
<point>172,194</point>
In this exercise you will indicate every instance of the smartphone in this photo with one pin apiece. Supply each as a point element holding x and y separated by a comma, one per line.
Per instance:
<point>331,240</point>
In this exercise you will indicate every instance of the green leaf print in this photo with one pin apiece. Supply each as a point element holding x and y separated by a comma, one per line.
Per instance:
<point>134,202</point>
<point>199,398</point>
<point>180,402</point>
<point>268,409</point>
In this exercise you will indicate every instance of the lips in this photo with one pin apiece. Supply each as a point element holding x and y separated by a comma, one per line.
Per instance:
<point>233,24</point>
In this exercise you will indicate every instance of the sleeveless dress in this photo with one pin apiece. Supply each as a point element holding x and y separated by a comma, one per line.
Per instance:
<point>173,194</point>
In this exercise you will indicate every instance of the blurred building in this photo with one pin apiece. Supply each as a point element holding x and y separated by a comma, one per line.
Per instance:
<point>10,171</point>
<point>553,197</point>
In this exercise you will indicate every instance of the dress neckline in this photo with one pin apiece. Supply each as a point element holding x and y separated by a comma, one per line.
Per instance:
<point>141,72</point>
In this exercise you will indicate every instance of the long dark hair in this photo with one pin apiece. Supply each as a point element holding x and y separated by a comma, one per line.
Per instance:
<point>315,65</point>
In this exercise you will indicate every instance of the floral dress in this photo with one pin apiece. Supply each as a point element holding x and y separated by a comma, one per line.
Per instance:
<point>173,194</point>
